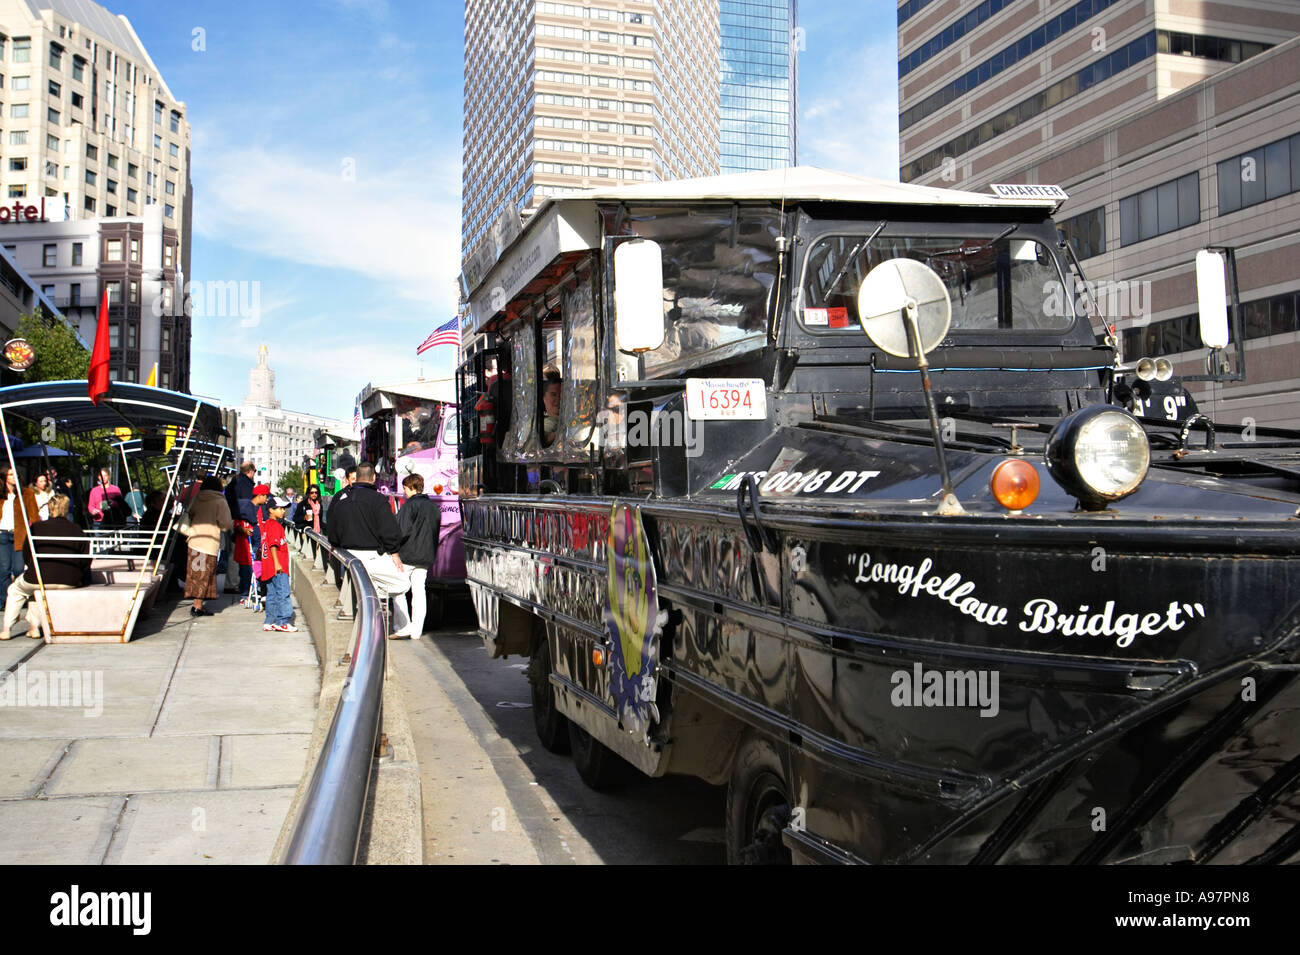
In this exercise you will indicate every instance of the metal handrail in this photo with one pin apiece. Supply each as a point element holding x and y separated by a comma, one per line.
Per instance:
<point>327,830</point>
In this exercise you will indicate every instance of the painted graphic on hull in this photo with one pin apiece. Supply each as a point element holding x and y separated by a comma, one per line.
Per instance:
<point>633,621</point>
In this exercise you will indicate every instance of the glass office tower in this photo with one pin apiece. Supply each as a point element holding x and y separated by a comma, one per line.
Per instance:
<point>759,84</point>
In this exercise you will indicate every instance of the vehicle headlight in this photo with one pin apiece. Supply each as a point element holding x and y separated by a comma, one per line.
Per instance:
<point>1099,455</point>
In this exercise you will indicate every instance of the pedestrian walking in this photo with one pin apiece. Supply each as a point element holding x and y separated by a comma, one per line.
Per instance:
<point>362,522</point>
<point>13,528</point>
<point>61,567</point>
<point>419,522</point>
<point>209,515</point>
<point>275,569</point>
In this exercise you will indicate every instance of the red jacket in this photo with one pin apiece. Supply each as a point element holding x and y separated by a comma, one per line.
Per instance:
<point>275,550</point>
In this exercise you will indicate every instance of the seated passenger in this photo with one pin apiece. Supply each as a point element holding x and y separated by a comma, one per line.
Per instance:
<point>58,572</point>
<point>551,409</point>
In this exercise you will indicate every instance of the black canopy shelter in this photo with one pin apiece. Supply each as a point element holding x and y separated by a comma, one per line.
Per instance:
<point>141,407</point>
<point>125,564</point>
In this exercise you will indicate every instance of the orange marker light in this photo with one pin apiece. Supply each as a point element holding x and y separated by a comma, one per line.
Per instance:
<point>1015,484</point>
<point>597,656</point>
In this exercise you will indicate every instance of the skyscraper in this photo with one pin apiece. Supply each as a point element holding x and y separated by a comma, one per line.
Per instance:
<point>759,84</point>
<point>95,139</point>
<point>1173,126</point>
<point>560,97</point>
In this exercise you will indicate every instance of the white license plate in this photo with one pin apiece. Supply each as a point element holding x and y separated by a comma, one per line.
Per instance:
<point>712,399</point>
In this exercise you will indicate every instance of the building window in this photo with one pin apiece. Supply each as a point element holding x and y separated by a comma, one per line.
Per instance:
<point>167,256</point>
<point>52,115</point>
<point>22,82</point>
<point>77,100</point>
<point>78,68</point>
<point>74,294</point>
<point>110,210</point>
<point>110,185</point>
<point>1259,175</point>
<point>114,293</point>
<point>17,192</point>
<point>169,211</point>
<point>131,373</point>
<point>135,250</point>
<point>167,297</point>
<point>18,111</point>
<point>92,152</point>
<point>157,142</point>
<point>22,49</point>
<point>51,141</point>
<point>90,203</point>
<point>173,149</point>
<point>55,89</point>
<point>49,255</point>
<point>1169,206</point>
<point>166,341</point>
<point>176,122</point>
<point>17,165</point>
<point>47,291</point>
<point>131,195</point>
<point>130,335</point>
<point>132,171</point>
<point>56,56</point>
<point>170,188</point>
<point>76,253</point>
<point>18,137</point>
<point>113,250</point>
<point>165,379</point>
<point>1086,232</point>
<point>112,161</point>
<point>135,294</point>
<point>114,331</point>
<point>90,177</point>
<point>157,113</point>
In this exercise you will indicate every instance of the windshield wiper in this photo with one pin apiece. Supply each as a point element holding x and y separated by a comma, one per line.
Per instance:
<point>962,250</point>
<point>853,256</point>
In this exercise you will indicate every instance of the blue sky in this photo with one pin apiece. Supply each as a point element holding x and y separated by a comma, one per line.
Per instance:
<point>326,168</point>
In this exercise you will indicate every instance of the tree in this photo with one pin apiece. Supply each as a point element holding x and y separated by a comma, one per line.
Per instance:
<point>291,478</point>
<point>59,356</point>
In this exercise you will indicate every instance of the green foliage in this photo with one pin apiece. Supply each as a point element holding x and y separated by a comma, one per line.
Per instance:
<point>291,478</point>
<point>59,356</point>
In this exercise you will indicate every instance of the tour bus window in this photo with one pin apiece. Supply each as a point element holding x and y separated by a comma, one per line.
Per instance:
<point>520,441</point>
<point>719,267</point>
<point>1010,284</point>
<point>551,389</point>
<point>578,405</point>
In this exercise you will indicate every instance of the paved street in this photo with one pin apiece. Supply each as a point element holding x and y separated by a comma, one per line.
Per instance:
<point>183,746</point>
<point>493,794</point>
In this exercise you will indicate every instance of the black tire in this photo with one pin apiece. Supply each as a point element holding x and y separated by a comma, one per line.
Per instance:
<point>600,767</point>
<point>758,806</point>
<point>552,726</point>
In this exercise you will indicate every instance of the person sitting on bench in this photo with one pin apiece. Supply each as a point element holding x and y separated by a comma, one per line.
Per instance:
<point>58,572</point>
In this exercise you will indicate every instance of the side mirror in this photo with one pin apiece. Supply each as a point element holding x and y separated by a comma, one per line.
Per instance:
<point>638,295</point>
<point>1212,295</point>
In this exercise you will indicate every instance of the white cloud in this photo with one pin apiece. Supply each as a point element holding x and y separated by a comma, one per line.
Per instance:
<point>849,119</point>
<point>398,225</point>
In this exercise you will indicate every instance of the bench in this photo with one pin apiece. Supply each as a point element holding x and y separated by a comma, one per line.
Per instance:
<point>97,613</point>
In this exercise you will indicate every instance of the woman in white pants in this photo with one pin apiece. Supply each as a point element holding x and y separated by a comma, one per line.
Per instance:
<point>419,520</point>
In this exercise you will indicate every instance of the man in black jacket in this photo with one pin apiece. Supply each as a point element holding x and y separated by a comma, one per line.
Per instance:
<point>419,520</point>
<point>362,522</point>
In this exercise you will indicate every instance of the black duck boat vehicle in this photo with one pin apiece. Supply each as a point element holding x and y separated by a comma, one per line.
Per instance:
<point>826,489</point>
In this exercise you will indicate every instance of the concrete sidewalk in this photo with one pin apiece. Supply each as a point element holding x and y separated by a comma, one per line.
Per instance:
<point>183,746</point>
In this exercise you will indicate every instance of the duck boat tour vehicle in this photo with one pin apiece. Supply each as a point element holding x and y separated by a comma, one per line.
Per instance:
<point>128,565</point>
<point>827,490</point>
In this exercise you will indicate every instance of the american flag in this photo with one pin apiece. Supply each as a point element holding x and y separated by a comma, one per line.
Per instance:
<point>448,334</point>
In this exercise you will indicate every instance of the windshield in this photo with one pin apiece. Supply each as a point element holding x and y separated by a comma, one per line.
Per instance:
<point>994,284</point>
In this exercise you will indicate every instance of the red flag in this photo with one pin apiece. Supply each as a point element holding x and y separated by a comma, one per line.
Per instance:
<point>98,376</point>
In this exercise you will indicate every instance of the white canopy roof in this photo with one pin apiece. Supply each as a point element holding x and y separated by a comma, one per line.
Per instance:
<point>808,183</point>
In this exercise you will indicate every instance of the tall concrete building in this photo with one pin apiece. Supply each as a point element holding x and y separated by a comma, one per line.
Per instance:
<point>272,438</point>
<point>560,97</point>
<point>1174,125</point>
<point>88,122</point>
<point>759,89</point>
